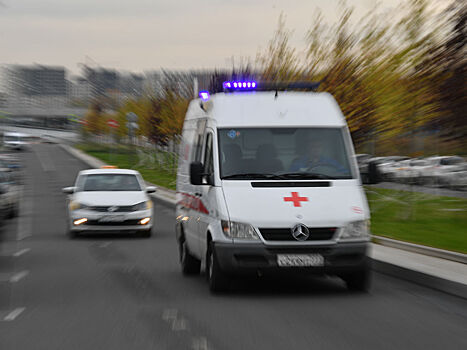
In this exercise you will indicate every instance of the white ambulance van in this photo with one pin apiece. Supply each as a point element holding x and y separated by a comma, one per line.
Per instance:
<point>267,182</point>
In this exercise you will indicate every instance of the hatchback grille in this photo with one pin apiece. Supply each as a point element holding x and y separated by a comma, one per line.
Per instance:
<point>105,209</point>
<point>132,222</point>
<point>285,234</point>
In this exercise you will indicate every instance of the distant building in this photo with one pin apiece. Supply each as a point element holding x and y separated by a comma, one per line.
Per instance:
<point>130,84</point>
<point>3,100</point>
<point>80,89</point>
<point>36,80</point>
<point>101,80</point>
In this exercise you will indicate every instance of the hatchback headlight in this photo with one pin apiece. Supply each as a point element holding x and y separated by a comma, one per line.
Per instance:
<point>238,230</point>
<point>142,206</point>
<point>356,229</point>
<point>74,205</point>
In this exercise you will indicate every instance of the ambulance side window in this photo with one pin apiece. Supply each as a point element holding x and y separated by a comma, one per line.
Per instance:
<point>208,158</point>
<point>198,146</point>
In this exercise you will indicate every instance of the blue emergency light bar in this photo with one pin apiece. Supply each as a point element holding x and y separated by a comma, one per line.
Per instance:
<point>204,95</point>
<point>239,85</point>
<point>250,85</point>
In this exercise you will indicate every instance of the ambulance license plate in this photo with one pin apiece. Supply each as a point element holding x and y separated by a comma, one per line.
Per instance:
<point>286,260</point>
<point>112,218</point>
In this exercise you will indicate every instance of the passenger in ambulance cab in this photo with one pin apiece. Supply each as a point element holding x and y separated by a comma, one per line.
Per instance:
<point>232,161</point>
<point>315,157</point>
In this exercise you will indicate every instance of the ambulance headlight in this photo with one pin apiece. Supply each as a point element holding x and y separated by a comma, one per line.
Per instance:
<point>238,230</point>
<point>356,229</point>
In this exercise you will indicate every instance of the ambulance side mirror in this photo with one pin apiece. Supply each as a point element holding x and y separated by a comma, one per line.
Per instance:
<point>196,173</point>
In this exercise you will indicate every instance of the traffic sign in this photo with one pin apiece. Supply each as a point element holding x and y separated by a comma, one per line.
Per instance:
<point>112,123</point>
<point>132,126</point>
<point>131,117</point>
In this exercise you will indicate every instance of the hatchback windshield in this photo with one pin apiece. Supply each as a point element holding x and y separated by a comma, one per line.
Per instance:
<point>283,153</point>
<point>11,138</point>
<point>109,182</point>
<point>451,161</point>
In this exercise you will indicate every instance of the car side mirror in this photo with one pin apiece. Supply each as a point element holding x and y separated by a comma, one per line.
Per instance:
<point>373,173</point>
<point>151,189</point>
<point>69,190</point>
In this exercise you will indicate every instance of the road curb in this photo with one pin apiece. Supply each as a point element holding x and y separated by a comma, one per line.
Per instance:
<point>425,250</point>
<point>430,281</point>
<point>168,202</point>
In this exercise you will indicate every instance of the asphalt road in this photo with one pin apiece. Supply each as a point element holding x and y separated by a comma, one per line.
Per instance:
<point>128,293</point>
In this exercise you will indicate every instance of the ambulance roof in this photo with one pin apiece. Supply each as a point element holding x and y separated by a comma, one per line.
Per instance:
<point>263,108</point>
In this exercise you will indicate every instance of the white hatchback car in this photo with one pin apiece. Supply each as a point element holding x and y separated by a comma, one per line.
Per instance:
<point>110,201</point>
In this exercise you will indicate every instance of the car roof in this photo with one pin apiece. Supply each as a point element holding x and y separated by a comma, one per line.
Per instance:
<point>108,171</point>
<point>17,134</point>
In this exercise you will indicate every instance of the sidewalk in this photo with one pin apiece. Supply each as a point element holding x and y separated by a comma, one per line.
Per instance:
<point>434,272</point>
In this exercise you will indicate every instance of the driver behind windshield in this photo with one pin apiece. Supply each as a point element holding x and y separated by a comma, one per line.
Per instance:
<point>314,157</point>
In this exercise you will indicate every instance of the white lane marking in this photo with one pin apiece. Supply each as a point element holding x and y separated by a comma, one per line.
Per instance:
<point>200,343</point>
<point>19,276</point>
<point>25,216</point>
<point>21,252</point>
<point>105,244</point>
<point>13,314</point>
<point>176,321</point>
<point>180,325</point>
<point>45,159</point>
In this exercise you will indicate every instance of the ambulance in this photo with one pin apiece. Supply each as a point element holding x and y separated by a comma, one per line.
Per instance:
<point>268,182</point>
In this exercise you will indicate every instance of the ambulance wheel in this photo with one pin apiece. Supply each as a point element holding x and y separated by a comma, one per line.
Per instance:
<point>217,280</point>
<point>190,265</point>
<point>359,281</point>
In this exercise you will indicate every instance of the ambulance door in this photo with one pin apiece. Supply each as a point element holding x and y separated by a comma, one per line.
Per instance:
<point>193,196</point>
<point>207,192</point>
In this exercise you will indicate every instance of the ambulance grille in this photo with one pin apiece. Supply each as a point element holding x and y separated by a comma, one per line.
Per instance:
<point>285,234</point>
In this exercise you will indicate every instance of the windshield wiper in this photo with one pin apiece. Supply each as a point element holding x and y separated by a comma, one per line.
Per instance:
<point>249,176</point>
<point>305,176</point>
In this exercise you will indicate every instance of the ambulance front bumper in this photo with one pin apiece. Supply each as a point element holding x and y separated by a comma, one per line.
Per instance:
<point>243,259</point>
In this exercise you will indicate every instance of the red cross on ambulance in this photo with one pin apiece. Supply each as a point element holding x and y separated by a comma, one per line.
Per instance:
<point>296,199</point>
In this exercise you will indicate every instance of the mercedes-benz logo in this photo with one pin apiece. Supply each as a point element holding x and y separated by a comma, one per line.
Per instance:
<point>300,232</point>
<point>112,209</point>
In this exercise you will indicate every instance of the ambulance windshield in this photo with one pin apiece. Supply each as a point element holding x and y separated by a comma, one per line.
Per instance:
<point>283,153</point>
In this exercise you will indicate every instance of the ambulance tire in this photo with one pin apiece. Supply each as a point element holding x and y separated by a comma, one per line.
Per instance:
<point>359,281</point>
<point>190,265</point>
<point>217,280</point>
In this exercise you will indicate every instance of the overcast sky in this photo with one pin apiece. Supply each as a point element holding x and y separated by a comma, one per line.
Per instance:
<point>137,35</point>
